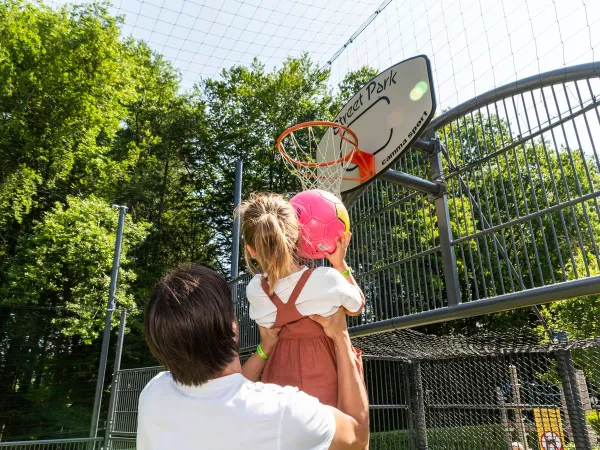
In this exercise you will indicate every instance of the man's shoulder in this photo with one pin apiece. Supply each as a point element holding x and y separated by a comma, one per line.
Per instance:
<point>277,398</point>
<point>287,398</point>
<point>267,390</point>
<point>159,382</point>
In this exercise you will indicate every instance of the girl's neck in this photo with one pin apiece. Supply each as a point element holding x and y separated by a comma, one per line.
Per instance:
<point>295,268</point>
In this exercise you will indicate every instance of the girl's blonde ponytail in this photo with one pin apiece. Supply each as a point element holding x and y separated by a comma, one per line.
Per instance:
<point>270,227</point>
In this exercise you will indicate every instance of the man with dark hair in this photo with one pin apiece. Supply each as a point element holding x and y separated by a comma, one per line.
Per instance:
<point>207,400</point>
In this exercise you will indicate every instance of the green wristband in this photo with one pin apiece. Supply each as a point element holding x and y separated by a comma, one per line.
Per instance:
<point>346,272</point>
<point>260,352</point>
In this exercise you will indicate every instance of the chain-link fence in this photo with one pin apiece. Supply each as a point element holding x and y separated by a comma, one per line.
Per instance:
<point>47,378</point>
<point>48,375</point>
<point>492,392</point>
<point>517,224</point>
<point>70,444</point>
<point>454,392</point>
<point>521,170</point>
<point>130,384</point>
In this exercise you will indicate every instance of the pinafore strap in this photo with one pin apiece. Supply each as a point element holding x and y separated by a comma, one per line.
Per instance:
<point>287,312</point>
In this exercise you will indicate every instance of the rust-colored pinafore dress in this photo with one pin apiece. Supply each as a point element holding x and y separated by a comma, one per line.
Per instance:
<point>304,356</point>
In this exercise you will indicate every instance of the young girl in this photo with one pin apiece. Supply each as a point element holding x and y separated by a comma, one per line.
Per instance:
<point>283,294</point>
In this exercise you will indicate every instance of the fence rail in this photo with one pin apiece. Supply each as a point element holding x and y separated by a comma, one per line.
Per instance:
<point>48,377</point>
<point>485,393</point>
<point>121,443</point>
<point>55,444</point>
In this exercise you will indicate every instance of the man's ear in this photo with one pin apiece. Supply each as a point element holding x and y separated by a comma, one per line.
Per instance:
<point>236,330</point>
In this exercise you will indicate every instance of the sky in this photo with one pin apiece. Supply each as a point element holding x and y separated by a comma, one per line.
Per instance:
<point>474,45</point>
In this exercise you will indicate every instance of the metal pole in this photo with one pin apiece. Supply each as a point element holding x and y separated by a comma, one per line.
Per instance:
<point>413,440</point>
<point>575,410</point>
<point>424,145</point>
<point>516,398</point>
<point>444,228</point>
<point>109,311</point>
<point>505,302</point>
<point>504,417</point>
<point>418,405</point>
<point>110,420</point>
<point>237,199</point>
<point>115,379</point>
<point>352,197</point>
<point>412,182</point>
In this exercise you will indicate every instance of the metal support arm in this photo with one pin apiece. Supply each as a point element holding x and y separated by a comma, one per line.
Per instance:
<point>425,145</point>
<point>410,181</point>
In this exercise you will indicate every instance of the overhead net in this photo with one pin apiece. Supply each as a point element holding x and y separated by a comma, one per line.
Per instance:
<point>319,153</point>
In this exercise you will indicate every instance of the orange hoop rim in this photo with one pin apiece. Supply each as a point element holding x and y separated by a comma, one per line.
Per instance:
<point>322,123</point>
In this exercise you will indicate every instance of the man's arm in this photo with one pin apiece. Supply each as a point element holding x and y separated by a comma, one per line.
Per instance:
<point>253,368</point>
<point>352,415</point>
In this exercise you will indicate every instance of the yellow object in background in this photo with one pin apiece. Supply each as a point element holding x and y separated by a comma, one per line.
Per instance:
<point>549,428</point>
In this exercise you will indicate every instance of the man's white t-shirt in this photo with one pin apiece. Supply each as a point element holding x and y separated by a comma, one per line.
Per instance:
<point>324,292</point>
<point>230,413</point>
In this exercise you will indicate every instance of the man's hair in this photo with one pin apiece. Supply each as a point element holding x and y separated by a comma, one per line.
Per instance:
<point>189,324</point>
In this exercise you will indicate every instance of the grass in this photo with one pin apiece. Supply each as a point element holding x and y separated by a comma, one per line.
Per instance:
<point>477,437</point>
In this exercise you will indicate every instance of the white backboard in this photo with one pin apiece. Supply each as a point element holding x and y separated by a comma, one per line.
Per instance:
<point>387,115</point>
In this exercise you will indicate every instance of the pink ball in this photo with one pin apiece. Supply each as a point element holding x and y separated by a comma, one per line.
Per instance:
<point>322,217</point>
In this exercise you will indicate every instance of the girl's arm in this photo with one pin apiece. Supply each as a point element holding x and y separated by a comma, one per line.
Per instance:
<point>253,368</point>
<point>337,260</point>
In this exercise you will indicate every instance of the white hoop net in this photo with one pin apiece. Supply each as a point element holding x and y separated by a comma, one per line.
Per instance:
<point>310,145</point>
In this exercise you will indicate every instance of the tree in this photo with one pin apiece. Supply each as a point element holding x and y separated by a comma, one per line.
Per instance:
<point>60,279</point>
<point>62,98</point>
<point>67,82</point>
<point>66,260</point>
<point>247,108</point>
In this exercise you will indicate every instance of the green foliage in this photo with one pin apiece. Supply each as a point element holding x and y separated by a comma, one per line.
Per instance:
<point>527,178</point>
<point>571,446</point>
<point>475,437</point>
<point>68,84</point>
<point>66,261</point>
<point>246,110</point>
<point>63,85</point>
<point>593,418</point>
<point>488,191</point>
<point>17,195</point>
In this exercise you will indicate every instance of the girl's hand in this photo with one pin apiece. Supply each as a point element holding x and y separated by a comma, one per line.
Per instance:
<point>268,338</point>
<point>337,259</point>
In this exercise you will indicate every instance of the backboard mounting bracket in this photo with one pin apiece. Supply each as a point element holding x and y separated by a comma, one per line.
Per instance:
<point>425,145</point>
<point>410,181</point>
<point>431,147</point>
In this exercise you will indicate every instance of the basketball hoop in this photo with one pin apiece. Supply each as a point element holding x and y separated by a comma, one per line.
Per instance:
<point>320,152</point>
